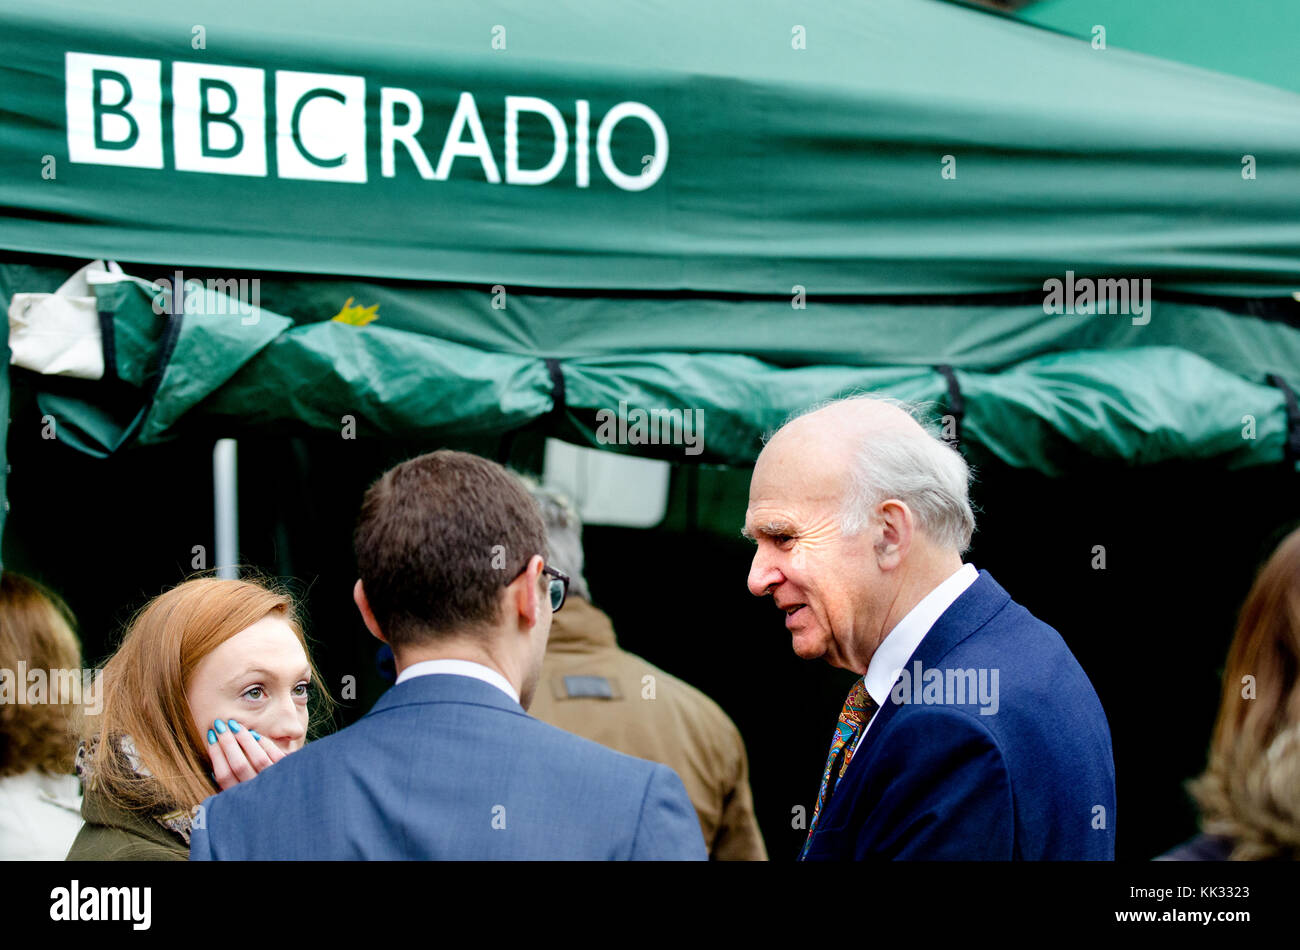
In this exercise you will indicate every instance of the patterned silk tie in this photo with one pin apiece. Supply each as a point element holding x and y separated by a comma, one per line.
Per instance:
<point>858,709</point>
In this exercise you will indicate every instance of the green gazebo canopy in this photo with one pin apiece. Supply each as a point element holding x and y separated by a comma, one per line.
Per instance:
<point>739,208</point>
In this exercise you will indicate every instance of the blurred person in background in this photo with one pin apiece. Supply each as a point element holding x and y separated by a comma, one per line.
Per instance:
<point>1249,794</point>
<point>209,688</point>
<point>591,687</point>
<point>40,797</point>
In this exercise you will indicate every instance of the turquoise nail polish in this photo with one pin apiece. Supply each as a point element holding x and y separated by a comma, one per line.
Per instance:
<point>212,737</point>
<point>254,735</point>
<point>234,726</point>
<point>221,726</point>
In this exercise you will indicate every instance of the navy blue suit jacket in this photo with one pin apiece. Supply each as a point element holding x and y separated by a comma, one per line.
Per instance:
<point>449,767</point>
<point>952,776</point>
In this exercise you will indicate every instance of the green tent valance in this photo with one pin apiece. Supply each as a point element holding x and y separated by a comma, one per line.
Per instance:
<point>223,365</point>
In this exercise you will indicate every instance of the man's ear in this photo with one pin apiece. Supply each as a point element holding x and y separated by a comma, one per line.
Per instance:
<point>367,615</point>
<point>895,527</point>
<point>523,597</point>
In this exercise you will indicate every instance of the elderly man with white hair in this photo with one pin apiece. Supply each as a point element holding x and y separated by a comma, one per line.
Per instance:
<point>972,733</point>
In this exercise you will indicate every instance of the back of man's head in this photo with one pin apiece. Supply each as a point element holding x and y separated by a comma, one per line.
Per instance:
<point>437,539</point>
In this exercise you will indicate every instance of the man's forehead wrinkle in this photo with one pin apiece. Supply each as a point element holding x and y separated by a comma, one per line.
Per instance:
<point>760,518</point>
<point>771,518</point>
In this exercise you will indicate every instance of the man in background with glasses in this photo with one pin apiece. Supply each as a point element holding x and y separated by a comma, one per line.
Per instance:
<point>593,687</point>
<point>447,765</point>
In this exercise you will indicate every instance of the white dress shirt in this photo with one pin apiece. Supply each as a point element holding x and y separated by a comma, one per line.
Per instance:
<point>901,642</point>
<point>459,668</point>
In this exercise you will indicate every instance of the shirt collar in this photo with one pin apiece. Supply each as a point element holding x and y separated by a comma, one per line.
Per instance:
<point>459,668</point>
<point>901,642</point>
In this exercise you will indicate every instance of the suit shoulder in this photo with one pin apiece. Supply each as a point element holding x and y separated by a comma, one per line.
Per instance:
<point>579,750</point>
<point>1016,617</point>
<point>1014,638</point>
<point>1013,616</point>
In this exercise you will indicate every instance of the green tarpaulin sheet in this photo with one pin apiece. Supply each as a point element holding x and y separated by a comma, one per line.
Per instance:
<point>1255,39</point>
<point>1036,403</point>
<point>726,209</point>
<point>900,146</point>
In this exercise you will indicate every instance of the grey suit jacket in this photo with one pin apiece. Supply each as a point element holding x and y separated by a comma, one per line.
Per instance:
<point>448,767</point>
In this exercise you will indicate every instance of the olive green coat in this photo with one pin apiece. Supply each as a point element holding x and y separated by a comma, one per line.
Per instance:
<point>113,833</point>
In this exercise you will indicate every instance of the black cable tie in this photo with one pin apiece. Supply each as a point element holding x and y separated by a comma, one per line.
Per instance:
<point>557,385</point>
<point>956,402</point>
<point>108,344</point>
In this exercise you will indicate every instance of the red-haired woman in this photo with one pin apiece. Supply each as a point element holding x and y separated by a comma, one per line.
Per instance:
<point>209,687</point>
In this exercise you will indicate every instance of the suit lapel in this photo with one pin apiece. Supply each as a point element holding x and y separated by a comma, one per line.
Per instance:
<point>976,605</point>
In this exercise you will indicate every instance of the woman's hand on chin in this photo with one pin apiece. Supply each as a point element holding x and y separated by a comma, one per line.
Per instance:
<point>238,754</point>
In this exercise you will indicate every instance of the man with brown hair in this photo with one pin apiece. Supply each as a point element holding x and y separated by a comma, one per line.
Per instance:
<point>447,765</point>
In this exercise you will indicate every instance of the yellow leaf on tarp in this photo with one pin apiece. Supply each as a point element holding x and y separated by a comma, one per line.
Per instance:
<point>356,316</point>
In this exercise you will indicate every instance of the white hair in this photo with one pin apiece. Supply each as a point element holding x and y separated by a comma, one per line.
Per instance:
<point>563,533</point>
<point>914,465</point>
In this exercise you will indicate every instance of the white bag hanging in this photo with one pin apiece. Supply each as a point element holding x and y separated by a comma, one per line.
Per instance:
<point>58,334</point>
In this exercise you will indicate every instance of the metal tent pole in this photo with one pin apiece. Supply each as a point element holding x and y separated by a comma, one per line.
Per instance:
<point>225,503</point>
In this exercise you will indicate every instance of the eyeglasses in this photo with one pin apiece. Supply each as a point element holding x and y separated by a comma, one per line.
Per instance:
<point>559,587</point>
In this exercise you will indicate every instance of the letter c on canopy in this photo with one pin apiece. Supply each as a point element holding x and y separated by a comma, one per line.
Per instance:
<point>317,93</point>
